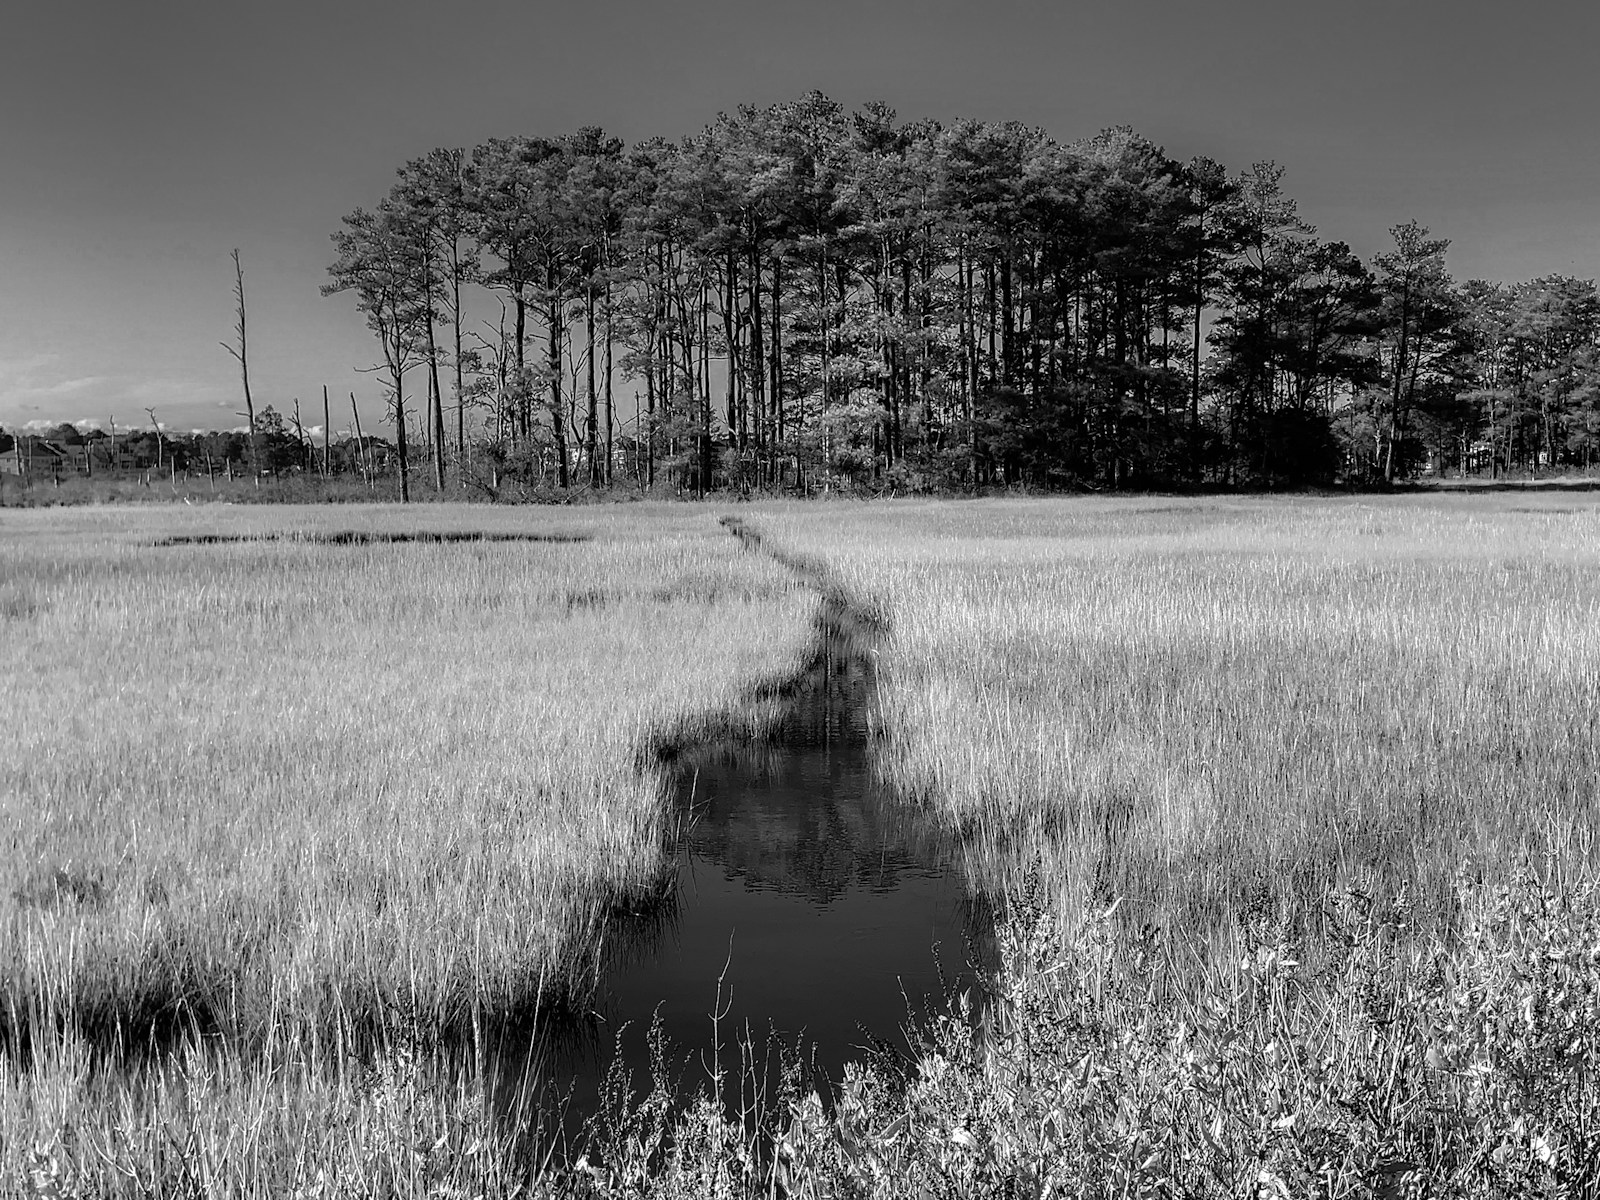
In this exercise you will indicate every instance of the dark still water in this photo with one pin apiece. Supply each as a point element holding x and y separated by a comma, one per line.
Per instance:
<point>829,912</point>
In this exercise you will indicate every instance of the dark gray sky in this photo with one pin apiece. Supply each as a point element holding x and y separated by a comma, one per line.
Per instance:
<point>141,142</point>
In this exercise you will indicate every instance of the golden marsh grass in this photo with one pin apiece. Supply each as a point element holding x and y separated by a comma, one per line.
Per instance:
<point>1214,706</point>
<point>274,784</point>
<point>1291,800</point>
<point>1294,804</point>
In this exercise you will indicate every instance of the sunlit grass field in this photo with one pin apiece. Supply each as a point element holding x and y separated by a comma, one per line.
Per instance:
<point>1289,802</point>
<point>279,781</point>
<point>1229,707</point>
<point>288,793</point>
<point>1293,805</point>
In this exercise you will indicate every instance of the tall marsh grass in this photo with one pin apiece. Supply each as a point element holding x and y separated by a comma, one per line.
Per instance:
<point>298,796</point>
<point>1289,803</point>
<point>1293,805</point>
<point>1216,709</point>
<point>275,782</point>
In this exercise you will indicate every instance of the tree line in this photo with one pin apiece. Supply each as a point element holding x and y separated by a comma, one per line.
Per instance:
<point>801,296</point>
<point>281,447</point>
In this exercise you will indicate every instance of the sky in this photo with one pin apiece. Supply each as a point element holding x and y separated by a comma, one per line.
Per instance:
<point>140,143</point>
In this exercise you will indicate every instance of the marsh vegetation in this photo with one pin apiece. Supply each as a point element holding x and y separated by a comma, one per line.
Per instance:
<point>1289,804</point>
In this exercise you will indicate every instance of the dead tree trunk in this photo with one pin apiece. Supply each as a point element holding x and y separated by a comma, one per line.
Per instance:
<point>240,352</point>
<point>362,462</point>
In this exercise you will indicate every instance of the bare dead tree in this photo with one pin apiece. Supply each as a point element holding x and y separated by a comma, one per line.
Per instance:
<point>240,352</point>
<point>301,442</point>
<point>156,425</point>
<point>361,444</point>
<point>327,434</point>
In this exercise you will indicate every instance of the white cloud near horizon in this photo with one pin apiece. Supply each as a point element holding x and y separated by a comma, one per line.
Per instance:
<point>36,391</point>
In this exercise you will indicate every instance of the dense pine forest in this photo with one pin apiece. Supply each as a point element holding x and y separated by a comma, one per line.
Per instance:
<point>801,296</point>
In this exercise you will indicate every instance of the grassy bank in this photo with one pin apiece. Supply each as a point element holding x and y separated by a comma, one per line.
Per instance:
<point>1217,709</point>
<point>291,793</point>
<point>1298,800</point>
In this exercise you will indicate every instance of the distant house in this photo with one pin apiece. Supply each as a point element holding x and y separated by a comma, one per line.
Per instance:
<point>103,457</point>
<point>38,457</point>
<point>35,456</point>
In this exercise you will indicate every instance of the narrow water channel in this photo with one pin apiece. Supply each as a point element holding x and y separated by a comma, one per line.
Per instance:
<point>810,905</point>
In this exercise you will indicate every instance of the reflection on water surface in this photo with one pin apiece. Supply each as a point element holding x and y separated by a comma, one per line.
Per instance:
<point>808,899</point>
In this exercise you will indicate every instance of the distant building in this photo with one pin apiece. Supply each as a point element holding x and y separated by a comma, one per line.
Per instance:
<point>35,457</point>
<point>31,455</point>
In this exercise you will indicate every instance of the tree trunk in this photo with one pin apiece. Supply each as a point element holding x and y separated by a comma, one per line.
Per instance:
<point>1194,373</point>
<point>648,433</point>
<point>991,321</point>
<point>592,428</point>
<point>758,360</point>
<point>361,444</point>
<point>822,326</point>
<point>1008,323</point>
<point>610,410</point>
<point>400,435</point>
<point>436,408</point>
<point>461,412</point>
<point>520,415</point>
<point>557,427</point>
<point>244,367</point>
<point>777,354</point>
<point>970,354</point>
<point>706,460</point>
<point>730,337</point>
<point>1401,349</point>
